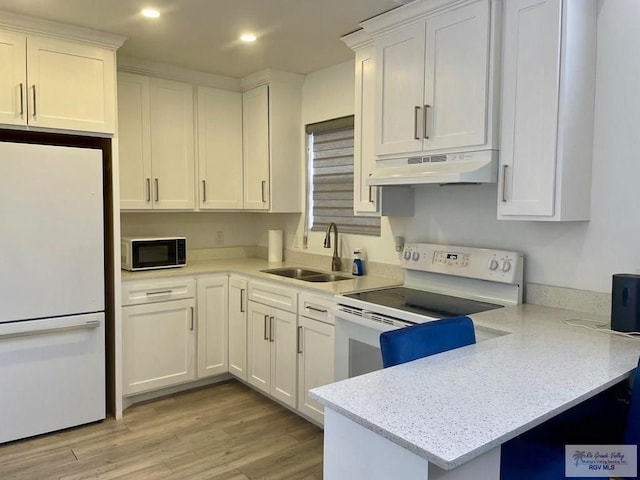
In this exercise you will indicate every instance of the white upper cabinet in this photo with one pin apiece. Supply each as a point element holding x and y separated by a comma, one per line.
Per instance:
<point>172,144</point>
<point>56,84</point>
<point>369,200</point>
<point>255,130</point>
<point>13,83</point>
<point>434,78</point>
<point>272,149</point>
<point>156,143</point>
<point>220,149</point>
<point>547,109</point>
<point>134,141</point>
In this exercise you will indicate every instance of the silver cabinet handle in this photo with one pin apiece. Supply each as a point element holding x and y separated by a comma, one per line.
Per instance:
<point>204,191</point>
<point>425,117</point>
<point>264,183</point>
<point>28,332</point>
<point>415,123</point>
<point>271,329</point>
<point>148,189</point>
<point>504,183</point>
<point>191,325</point>
<point>370,194</point>
<point>314,309</point>
<point>299,339</point>
<point>21,100</point>
<point>160,292</point>
<point>266,319</point>
<point>242,300</point>
<point>33,87</point>
<point>157,190</point>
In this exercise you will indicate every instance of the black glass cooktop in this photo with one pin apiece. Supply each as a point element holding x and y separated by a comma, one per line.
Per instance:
<point>423,303</point>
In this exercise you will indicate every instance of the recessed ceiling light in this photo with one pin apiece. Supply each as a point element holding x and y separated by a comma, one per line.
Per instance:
<point>248,37</point>
<point>150,13</point>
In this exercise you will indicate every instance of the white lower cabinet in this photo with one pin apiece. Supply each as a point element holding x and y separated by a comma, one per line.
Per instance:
<point>212,333</point>
<point>271,341</point>
<point>238,327</point>
<point>315,351</point>
<point>158,345</point>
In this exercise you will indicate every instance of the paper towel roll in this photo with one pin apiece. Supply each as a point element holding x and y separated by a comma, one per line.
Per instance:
<point>275,246</point>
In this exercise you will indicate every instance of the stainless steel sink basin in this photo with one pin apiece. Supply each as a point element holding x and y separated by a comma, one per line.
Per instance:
<point>305,274</point>
<point>292,272</point>
<point>325,277</point>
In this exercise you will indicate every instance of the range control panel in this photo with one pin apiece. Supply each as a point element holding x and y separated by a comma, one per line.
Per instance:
<point>480,263</point>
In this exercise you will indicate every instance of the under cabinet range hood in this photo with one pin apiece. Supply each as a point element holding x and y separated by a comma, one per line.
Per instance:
<point>450,168</point>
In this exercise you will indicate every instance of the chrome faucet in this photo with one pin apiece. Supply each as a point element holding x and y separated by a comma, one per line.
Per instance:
<point>335,260</point>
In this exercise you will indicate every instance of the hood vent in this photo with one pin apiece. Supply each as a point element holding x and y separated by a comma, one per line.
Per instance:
<point>467,167</point>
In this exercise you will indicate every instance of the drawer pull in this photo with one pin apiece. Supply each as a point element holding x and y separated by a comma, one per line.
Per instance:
<point>21,101</point>
<point>504,183</point>
<point>315,309</point>
<point>266,318</point>
<point>160,292</point>
<point>271,329</point>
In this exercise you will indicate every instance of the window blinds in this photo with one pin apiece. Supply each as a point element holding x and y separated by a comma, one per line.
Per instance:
<point>332,183</point>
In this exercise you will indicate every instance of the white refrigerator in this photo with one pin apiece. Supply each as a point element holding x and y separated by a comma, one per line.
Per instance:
<point>52,323</point>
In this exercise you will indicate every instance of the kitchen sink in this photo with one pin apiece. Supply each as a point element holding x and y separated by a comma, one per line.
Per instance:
<point>325,277</point>
<point>305,274</point>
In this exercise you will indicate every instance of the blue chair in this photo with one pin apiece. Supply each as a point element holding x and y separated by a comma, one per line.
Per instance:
<point>410,343</point>
<point>606,419</point>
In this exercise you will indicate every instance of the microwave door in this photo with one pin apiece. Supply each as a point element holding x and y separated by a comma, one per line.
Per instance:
<point>154,254</point>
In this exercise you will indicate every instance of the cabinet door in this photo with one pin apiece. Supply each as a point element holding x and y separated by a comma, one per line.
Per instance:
<point>238,327</point>
<point>400,90</point>
<point>259,346</point>
<point>315,363</point>
<point>255,141</point>
<point>283,356</point>
<point>158,345</point>
<point>172,140</point>
<point>220,148</point>
<point>71,85</point>
<point>213,298</point>
<point>456,77</point>
<point>134,141</point>
<point>364,160</point>
<point>13,81</point>
<point>530,82</point>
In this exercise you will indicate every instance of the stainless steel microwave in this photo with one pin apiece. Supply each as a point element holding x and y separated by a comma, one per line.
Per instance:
<point>152,252</point>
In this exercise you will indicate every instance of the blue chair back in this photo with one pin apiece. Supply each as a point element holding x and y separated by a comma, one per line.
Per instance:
<point>418,341</point>
<point>632,432</point>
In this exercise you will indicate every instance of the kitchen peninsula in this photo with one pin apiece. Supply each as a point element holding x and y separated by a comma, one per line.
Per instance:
<point>445,417</point>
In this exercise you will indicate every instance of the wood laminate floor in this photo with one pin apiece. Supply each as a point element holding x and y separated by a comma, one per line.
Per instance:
<point>222,432</point>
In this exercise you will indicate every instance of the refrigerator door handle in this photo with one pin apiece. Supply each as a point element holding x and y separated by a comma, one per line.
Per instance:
<point>29,330</point>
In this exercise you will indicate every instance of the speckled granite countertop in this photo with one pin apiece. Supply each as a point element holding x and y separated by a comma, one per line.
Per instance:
<point>452,407</point>
<point>251,267</point>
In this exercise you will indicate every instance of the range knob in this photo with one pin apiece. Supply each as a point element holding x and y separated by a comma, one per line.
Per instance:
<point>407,254</point>
<point>493,264</point>
<point>506,265</point>
<point>416,256</point>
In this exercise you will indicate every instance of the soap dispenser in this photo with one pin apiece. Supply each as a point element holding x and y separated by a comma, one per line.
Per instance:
<point>357,269</point>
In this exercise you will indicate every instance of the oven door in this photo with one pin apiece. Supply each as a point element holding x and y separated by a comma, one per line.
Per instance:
<point>357,343</point>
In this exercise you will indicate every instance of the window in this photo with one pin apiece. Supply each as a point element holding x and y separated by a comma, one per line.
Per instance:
<point>330,150</point>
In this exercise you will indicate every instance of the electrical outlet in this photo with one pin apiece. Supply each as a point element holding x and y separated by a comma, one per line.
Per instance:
<point>219,237</point>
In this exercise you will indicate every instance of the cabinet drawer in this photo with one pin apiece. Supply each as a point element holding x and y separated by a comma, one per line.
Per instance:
<point>274,296</point>
<point>317,307</point>
<point>158,291</point>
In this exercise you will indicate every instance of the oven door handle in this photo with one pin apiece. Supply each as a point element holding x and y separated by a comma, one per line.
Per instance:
<point>369,322</point>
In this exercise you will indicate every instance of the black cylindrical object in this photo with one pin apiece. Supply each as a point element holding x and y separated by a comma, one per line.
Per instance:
<point>625,302</point>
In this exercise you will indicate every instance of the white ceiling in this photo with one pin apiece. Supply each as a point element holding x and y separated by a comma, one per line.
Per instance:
<point>299,36</point>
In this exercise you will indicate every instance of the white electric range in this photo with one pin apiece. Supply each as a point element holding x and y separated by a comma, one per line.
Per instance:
<point>440,281</point>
